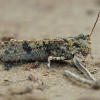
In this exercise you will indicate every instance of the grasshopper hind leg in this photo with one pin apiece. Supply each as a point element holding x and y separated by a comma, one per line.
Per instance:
<point>7,66</point>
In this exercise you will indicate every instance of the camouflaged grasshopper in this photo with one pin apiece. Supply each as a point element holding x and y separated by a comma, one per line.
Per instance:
<point>49,49</point>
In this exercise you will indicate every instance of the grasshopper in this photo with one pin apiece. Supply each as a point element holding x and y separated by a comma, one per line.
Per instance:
<point>49,49</point>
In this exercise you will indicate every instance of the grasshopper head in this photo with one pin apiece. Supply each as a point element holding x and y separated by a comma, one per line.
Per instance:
<point>82,44</point>
<point>85,44</point>
<point>84,36</point>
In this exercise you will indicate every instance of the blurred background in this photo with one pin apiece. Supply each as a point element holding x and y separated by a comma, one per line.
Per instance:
<point>28,19</point>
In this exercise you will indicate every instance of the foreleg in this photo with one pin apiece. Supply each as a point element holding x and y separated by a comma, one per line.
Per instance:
<point>83,69</point>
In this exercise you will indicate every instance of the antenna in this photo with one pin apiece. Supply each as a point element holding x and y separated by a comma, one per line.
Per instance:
<point>95,24</point>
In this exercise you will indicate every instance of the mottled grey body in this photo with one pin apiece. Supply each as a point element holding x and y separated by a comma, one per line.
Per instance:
<point>33,50</point>
<point>40,50</point>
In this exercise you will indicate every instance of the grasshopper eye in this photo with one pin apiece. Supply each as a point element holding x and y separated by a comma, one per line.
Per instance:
<point>76,44</point>
<point>88,35</point>
<point>82,36</point>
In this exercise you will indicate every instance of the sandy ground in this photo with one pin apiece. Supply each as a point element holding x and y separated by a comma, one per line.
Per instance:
<point>29,19</point>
